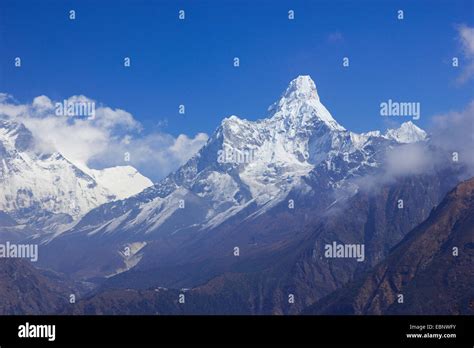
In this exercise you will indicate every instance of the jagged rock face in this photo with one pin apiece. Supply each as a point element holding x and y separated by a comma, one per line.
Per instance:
<point>431,268</point>
<point>46,189</point>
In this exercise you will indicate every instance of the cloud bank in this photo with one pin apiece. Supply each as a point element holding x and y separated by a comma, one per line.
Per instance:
<point>450,146</point>
<point>109,138</point>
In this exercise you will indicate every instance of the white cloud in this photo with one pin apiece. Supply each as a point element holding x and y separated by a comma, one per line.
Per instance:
<point>466,35</point>
<point>449,133</point>
<point>454,132</point>
<point>102,141</point>
<point>409,159</point>
<point>466,39</point>
<point>156,154</point>
<point>9,106</point>
<point>110,118</point>
<point>183,144</point>
<point>4,97</point>
<point>42,102</point>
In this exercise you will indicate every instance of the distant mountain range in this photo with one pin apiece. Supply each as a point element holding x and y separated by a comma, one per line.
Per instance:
<point>298,156</point>
<point>46,191</point>
<point>423,267</point>
<point>424,260</point>
<point>244,225</point>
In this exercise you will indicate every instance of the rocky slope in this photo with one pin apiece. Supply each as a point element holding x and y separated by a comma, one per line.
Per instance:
<point>261,282</point>
<point>27,290</point>
<point>431,268</point>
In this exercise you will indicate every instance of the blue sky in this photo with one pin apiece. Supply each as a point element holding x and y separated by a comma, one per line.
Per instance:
<point>190,62</point>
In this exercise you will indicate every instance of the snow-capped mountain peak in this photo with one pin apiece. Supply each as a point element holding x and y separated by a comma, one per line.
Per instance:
<point>302,87</point>
<point>248,168</point>
<point>271,155</point>
<point>34,183</point>
<point>300,106</point>
<point>408,132</point>
<point>122,181</point>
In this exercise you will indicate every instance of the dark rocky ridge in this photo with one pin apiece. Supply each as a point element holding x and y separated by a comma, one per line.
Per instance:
<point>422,268</point>
<point>26,290</point>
